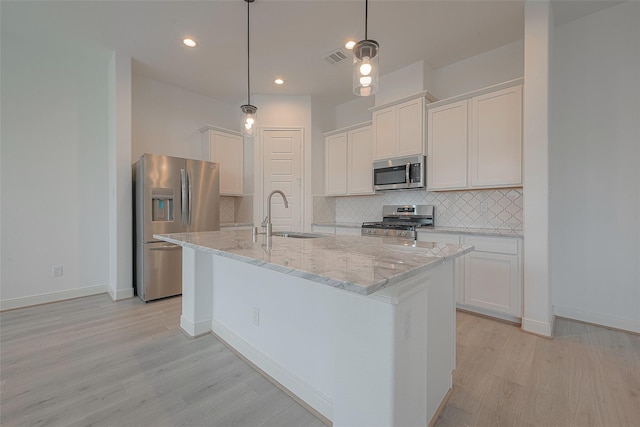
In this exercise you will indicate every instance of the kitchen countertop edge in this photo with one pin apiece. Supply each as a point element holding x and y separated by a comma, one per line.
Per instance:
<point>495,232</point>
<point>357,288</point>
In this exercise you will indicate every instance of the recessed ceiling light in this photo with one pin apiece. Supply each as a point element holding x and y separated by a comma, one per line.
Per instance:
<point>350,44</point>
<point>189,42</point>
<point>278,81</point>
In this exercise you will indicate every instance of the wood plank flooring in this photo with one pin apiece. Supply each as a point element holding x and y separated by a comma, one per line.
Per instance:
<point>586,376</point>
<point>94,362</point>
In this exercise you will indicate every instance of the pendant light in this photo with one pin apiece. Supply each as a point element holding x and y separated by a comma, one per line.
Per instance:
<point>365,62</point>
<point>249,112</point>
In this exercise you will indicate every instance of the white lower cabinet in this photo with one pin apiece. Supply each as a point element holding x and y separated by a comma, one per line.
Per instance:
<point>348,231</point>
<point>488,279</point>
<point>337,230</point>
<point>493,274</point>
<point>323,229</point>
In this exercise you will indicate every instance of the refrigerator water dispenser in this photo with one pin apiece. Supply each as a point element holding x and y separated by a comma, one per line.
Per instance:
<point>162,204</point>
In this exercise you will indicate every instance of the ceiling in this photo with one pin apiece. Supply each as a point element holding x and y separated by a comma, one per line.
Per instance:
<point>289,39</point>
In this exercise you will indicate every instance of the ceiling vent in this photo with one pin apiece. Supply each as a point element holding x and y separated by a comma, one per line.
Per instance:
<point>336,56</point>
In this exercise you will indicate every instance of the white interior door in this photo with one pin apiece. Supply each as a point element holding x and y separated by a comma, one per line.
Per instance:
<point>282,170</point>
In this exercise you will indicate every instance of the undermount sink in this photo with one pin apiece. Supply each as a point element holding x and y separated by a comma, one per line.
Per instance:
<point>296,235</point>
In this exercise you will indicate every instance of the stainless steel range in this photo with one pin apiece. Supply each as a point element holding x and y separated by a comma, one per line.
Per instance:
<point>400,221</point>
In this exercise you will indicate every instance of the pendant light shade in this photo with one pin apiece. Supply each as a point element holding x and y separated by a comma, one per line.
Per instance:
<point>365,62</point>
<point>249,112</point>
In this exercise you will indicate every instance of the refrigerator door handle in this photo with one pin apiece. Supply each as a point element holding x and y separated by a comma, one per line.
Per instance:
<point>190,200</point>
<point>184,197</point>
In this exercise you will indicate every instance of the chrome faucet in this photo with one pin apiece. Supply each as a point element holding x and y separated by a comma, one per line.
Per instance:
<point>267,220</point>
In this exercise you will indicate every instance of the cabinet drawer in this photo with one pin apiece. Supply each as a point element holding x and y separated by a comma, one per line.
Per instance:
<point>450,239</point>
<point>502,245</point>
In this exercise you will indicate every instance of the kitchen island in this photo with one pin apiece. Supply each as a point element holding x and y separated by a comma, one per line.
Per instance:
<point>362,329</point>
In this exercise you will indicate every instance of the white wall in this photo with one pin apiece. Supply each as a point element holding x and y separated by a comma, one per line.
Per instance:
<point>166,119</point>
<point>594,173</point>
<point>54,173</point>
<point>353,112</point>
<point>492,67</point>
<point>404,82</point>
<point>119,171</point>
<point>536,306</point>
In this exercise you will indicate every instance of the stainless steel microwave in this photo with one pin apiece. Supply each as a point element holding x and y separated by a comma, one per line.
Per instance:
<point>400,173</point>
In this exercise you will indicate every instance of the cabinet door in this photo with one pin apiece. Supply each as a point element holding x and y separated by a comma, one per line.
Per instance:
<point>496,138</point>
<point>384,133</point>
<point>410,132</point>
<point>227,149</point>
<point>491,281</point>
<point>447,147</point>
<point>360,171</point>
<point>335,172</point>
<point>348,231</point>
<point>323,229</point>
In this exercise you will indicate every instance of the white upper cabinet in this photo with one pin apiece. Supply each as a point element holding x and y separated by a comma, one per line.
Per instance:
<point>227,148</point>
<point>476,142</point>
<point>398,130</point>
<point>335,160</point>
<point>348,162</point>
<point>495,139</point>
<point>360,171</point>
<point>447,146</point>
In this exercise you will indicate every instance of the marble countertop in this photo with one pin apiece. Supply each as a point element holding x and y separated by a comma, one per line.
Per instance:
<point>456,230</point>
<point>235,224</point>
<point>362,265</point>
<point>339,224</point>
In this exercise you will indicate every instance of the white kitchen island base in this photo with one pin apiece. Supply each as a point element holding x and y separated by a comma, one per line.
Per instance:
<point>383,359</point>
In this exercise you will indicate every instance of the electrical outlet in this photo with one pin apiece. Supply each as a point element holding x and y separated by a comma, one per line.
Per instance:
<point>484,207</point>
<point>56,270</point>
<point>256,316</point>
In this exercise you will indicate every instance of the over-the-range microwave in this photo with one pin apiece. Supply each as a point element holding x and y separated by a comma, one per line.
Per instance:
<point>401,173</point>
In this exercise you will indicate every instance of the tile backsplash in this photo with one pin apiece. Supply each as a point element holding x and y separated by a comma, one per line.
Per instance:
<point>227,209</point>
<point>495,209</point>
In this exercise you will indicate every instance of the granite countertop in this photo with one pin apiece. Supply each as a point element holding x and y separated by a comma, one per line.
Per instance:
<point>357,264</point>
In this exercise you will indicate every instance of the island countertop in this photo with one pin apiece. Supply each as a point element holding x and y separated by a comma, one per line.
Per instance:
<point>362,265</point>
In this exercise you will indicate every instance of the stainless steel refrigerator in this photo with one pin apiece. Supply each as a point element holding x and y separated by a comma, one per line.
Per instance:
<point>171,195</point>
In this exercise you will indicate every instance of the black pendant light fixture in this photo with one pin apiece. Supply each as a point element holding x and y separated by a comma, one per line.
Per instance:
<point>365,62</point>
<point>249,112</point>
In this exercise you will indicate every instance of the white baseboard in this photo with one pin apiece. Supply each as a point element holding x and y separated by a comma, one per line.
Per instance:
<point>598,319</point>
<point>121,294</point>
<point>12,303</point>
<point>536,327</point>
<point>489,313</point>
<point>195,329</point>
<point>296,385</point>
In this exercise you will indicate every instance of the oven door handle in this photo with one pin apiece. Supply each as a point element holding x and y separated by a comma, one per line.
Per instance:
<point>407,174</point>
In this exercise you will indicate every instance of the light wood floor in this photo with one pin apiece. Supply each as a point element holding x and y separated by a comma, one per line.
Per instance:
<point>93,362</point>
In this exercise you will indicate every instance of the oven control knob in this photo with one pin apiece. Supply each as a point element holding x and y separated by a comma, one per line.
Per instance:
<point>386,233</point>
<point>402,233</point>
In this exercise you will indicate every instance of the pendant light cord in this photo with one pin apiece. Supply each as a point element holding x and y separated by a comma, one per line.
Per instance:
<point>248,59</point>
<point>366,18</point>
